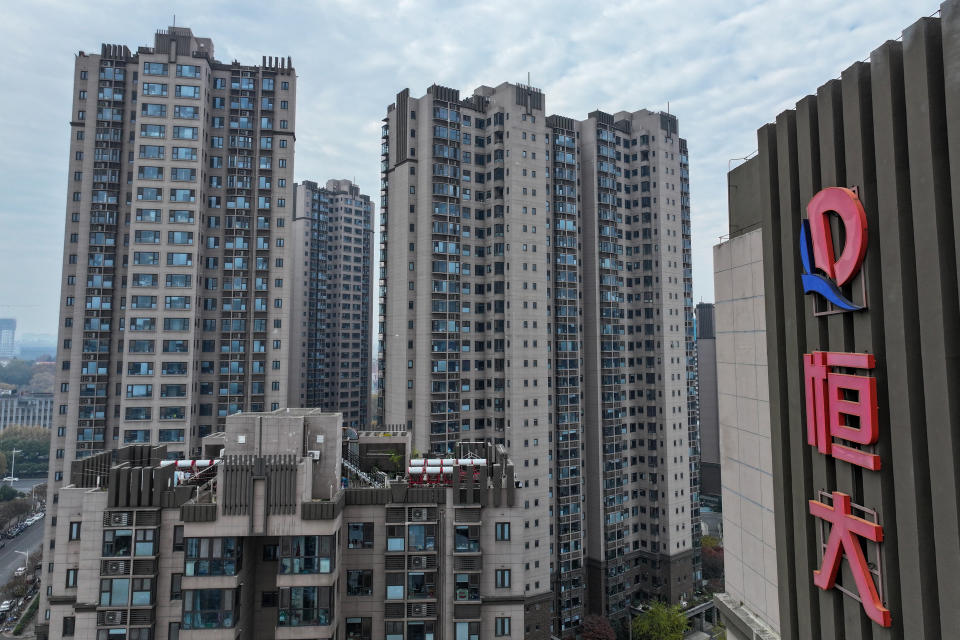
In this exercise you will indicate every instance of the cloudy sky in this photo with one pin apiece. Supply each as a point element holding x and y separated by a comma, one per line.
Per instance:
<point>725,68</point>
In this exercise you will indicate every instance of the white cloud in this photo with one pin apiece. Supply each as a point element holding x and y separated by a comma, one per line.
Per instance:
<point>725,68</point>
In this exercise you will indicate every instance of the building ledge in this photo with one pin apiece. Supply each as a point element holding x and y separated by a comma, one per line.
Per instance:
<point>741,621</point>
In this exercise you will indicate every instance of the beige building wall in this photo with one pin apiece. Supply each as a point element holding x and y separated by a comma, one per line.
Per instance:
<point>749,539</point>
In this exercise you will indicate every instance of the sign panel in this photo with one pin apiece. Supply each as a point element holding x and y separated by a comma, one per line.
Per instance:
<point>841,406</point>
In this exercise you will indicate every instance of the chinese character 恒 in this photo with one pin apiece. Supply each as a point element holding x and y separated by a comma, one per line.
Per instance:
<point>841,405</point>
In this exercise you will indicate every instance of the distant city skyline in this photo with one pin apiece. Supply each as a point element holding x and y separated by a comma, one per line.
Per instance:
<point>722,69</point>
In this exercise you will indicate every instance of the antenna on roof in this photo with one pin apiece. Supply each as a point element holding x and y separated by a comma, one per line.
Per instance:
<point>174,19</point>
<point>528,79</point>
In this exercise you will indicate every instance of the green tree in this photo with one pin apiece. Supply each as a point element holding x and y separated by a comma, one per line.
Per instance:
<point>42,381</point>
<point>17,372</point>
<point>8,493</point>
<point>33,449</point>
<point>660,622</point>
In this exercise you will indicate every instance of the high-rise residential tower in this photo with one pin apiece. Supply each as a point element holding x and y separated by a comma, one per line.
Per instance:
<point>707,407</point>
<point>175,295</point>
<point>8,334</point>
<point>333,239</point>
<point>552,314</point>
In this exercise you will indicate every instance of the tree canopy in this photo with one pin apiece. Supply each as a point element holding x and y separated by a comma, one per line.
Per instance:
<point>33,449</point>
<point>17,372</point>
<point>660,622</point>
<point>597,628</point>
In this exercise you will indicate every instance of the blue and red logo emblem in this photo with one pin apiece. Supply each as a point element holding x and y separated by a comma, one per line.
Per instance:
<point>824,274</point>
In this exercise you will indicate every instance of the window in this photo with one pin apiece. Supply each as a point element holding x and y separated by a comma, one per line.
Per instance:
<point>176,586</point>
<point>502,626</point>
<point>184,153</point>
<point>188,71</point>
<point>147,258</point>
<point>145,542</point>
<point>150,173</point>
<point>154,69</point>
<point>209,608</point>
<point>359,628</point>
<point>305,606</point>
<point>307,554</point>
<point>503,578</point>
<point>186,112</point>
<point>178,538</point>
<point>152,110</point>
<point>71,578</point>
<point>503,531</point>
<point>176,324</point>
<point>184,133</point>
<point>182,195</point>
<point>466,538</point>
<point>175,259</point>
<point>114,592</point>
<point>359,582</point>
<point>179,237</point>
<point>137,413</point>
<point>421,585</point>
<point>467,631</point>
<point>395,586</point>
<point>75,531</point>
<point>154,89</point>
<point>213,556</point>
<point>142,591</point>
<point>187,91</point>
<point>69,625</point>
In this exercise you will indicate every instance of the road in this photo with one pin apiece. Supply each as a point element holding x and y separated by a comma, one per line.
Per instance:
<point>30,540</point>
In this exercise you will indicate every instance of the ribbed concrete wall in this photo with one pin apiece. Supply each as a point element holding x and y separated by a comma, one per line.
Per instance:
<point>890,127</point>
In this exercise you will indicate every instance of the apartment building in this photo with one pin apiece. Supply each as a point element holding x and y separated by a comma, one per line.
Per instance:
<point>174,300</point>
<point>557,324</point>
<point>333,239</point>
<point>707,409</point>
<point>25,409</point>
<point>8,334</point>
<point>261,541</point>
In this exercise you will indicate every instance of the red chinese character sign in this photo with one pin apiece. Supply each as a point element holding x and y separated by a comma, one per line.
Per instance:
<point>841,407</point>
<point>831,413</point>
<point>845,530</point>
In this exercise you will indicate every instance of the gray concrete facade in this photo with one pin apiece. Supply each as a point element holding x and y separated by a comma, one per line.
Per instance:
<point>890,127</point>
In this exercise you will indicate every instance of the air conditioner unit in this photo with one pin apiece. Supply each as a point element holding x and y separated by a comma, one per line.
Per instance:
<point>314,454</point>
<point>115,567</point>
<point>418,515</point>
<point>418,611</point>
<point>119,518</point>
<point>113,617</point>
<point>418,562</point>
